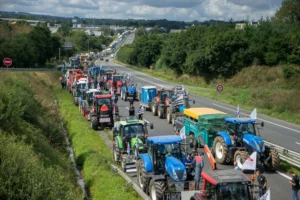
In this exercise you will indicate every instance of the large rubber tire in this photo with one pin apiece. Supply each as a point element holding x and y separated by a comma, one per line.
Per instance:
<point>142,175</point>
<point>116,154</point>
<point>122,94</point>
<point>157,189</point>
<point>160,112</point>
<point>193,141</point>
<point>221,150</point>
<point>275,160</point>
<point>169,115</point>
<point>240,157</point>
<point>94,123</point>
<point>154,109</point>
<point>125,96</point>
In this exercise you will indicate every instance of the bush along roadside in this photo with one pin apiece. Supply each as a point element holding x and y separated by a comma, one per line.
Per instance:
<point>92,155</point>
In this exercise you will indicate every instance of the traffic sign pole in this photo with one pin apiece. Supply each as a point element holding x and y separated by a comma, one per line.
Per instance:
<point>219,90</point>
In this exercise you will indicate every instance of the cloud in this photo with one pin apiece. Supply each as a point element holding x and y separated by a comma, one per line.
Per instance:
<point>181,10</point>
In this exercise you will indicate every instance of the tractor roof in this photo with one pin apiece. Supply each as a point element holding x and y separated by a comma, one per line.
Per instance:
<point>167,139</point>
<point>196,112</point>
<point>242,120</point>
<point>149,87</point>
<point>103,96</point>
<point>131,120</point>
<point>165,89</point>
<point>225,176</point>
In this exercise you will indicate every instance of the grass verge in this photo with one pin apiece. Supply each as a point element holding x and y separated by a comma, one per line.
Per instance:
<point>286,167</point>
<point>92,155</point>
<point>270,94</point>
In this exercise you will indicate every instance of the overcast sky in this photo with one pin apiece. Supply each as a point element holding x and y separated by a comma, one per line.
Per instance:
<point>181,10</point>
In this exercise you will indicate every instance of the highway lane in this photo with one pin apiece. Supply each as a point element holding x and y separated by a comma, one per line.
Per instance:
<point>276,131</point>
<point>279,184</point>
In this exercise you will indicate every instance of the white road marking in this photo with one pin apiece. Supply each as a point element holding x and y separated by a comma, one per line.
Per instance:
<point>148,81</point>
<point>284,175</point>
<point>298,143</point>
<point>259,119</point>
<point>127,108</point>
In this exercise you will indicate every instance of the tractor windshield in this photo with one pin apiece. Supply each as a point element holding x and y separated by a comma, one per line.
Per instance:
<point>233,191</point>
<point>105,101</point>
<point>81,86</point>
<point>246,128</point>
<point>165,94</point>
<point>170,150</point>
<point>117,78</point>
<point>92,94</point>
<point>109,76</point>
<point>132,130</point>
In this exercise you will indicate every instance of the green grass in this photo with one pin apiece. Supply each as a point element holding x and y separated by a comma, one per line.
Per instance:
<point>286,167</point>
<point>92,155</point>
<point>108,133</point>
<point>254,87</point>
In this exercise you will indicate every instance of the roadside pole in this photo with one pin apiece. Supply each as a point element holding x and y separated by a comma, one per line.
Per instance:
<point>219,90</point>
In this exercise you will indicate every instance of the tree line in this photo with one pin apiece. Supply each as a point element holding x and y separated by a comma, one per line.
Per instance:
<point>222,49</point>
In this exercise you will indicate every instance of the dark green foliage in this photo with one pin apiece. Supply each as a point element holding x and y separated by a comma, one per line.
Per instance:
<point>290,71</point>
<point>33,155</point>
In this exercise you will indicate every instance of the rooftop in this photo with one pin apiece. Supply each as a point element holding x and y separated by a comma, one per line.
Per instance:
<point>167,139</point>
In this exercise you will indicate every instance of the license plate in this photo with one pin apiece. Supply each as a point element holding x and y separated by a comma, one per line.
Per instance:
<point>172,196</point>
<point>104,119</point>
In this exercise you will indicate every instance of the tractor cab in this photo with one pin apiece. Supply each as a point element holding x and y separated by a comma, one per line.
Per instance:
<point>91,93</point>
<point>116,81</point>
<point>163,94</point>
<point>224,184</point>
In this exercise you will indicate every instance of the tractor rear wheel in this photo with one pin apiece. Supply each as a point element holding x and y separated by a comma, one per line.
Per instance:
<point>221,150</point>
<point>122,94</point>
<point>160,112</point>
<point>125,96</point>
<point>154,109</point>
<point>169,115</point>
<point>157,189</point>
<point>274,165</point>
<point>94,123</point>
<point>142,175</point>
<point>240,157</point>
<point>116,154</point>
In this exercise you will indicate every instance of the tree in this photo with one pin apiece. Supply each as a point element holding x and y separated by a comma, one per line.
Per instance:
<point>289,12</point>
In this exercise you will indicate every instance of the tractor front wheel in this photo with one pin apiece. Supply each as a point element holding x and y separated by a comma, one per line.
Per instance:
<point>160,112</point>
<point>169,115</point>
<point>240,157</point>
<point>142,175</point>
<point>275,160</point>
<point>94,123</point>
<point>157,189</point>
<point>221,150</point>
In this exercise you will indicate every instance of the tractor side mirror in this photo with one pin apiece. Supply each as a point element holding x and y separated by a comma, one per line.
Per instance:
<point>262,124</point>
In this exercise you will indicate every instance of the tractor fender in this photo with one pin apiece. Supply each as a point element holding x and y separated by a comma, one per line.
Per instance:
<point>147,162</point>
<point>119,141</point>
<point>255,142</point>
<point>226,138</point>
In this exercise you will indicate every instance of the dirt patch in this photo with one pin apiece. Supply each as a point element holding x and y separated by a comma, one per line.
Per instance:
<point>107,141</point>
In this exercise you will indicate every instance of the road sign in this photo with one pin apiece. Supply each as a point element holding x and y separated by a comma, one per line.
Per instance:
<point>7,62</point>
<point>219,88</point>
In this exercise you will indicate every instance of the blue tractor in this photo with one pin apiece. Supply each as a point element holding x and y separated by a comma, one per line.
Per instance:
<point>128,91</point>
<point>239,140</point>
<point>161,171</point>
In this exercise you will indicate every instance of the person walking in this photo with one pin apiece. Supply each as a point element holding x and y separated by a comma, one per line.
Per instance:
<point>198,164</point>
<point>295,185</point>
<point>115,99</point>
<point>262,183</point>
<point>131,109</point>
<point>141,112</point>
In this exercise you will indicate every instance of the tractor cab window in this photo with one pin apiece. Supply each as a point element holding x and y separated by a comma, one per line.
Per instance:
<point>246,128</point>
<point>231,191</point>
<point>231,128</point>
<point>133,130</point>
<point>106,101</point>
<point>210,190</point>
<point>165,94</point>
<point>117,78</point>
<point>170,150</point>
<point>81,86</point>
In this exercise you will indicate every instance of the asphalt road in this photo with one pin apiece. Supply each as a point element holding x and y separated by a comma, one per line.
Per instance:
<point>275,131</point>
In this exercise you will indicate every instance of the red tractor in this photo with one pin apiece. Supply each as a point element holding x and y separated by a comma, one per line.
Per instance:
<point>161,102</point>
<point>106,78</point>
<point>103,111</point>
<point>116,83</point>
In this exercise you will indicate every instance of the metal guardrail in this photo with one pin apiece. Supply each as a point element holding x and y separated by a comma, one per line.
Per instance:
<point>27,69</point>
<point>131,182</point>
<point>287,155</point>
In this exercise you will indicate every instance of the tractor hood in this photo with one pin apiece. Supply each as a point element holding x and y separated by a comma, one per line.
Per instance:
<point>131,89</point>
<point>175,168</point>
<point>255,142</point>
<point>133,143</point>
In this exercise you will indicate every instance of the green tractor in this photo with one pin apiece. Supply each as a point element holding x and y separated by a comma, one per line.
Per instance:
<point>129,141</point>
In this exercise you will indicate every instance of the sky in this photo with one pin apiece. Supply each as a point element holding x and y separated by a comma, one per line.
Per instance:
<point>179,10</point>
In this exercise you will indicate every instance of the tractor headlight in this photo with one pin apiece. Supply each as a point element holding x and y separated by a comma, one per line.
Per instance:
<point>175,175</point>
<point>184,175</point>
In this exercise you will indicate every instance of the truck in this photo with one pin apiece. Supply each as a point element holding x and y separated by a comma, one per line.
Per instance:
<point>232,138</point>
<point>129,141</point>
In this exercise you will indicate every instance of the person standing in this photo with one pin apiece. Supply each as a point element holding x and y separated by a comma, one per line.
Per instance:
<point>262,183</point>
<point>295,185</point>
<point>131,109</point>
<point>141,112</point>
<point>198,164</point>
<point>115,99</point>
